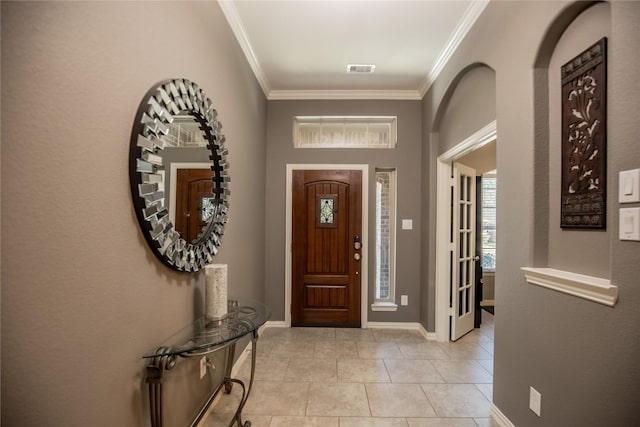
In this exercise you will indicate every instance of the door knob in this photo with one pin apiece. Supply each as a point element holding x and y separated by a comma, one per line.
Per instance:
<point>356,257</point>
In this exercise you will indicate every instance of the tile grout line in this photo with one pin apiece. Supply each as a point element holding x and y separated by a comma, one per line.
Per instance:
<point>435,411</point>
<point>366,392</point>
<point>306,406</point>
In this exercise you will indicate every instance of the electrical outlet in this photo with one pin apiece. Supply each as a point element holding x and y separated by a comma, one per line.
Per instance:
<point>535,401</point>
<point>404,299</point>
<point>203,367</point>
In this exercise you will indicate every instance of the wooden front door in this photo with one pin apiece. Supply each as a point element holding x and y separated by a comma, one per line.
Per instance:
<point>194,187</point>
<point>326,249</point>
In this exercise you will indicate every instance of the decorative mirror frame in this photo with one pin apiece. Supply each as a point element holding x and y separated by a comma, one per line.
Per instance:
<point>160,104</point>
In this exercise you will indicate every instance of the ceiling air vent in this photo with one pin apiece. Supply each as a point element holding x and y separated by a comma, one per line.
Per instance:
<point>360,68</point>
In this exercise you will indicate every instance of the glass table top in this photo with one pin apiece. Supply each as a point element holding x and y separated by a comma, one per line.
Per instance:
<point>203,335</point>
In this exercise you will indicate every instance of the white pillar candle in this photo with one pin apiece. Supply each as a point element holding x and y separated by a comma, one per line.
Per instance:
<point>215,291</point>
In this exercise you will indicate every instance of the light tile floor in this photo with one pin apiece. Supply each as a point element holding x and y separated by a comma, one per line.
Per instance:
<point>324,377</point>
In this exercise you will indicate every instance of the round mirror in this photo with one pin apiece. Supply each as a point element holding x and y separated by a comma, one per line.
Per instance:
<point>179,174</point>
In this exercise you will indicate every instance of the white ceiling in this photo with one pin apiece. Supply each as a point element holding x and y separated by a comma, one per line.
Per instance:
<point>300,49</point>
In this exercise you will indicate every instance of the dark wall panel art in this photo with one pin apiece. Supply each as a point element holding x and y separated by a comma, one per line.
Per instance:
<point>584,139</point>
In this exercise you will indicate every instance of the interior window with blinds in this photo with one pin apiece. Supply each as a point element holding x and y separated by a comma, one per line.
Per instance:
<point>344,132</point>
<point>489,182</point>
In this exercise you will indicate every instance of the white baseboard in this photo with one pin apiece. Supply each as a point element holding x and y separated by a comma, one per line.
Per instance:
<point>499,417</point>
<point>393,325</point>
<point>430,336</point>
<point>276,324</point>
<point>241,359</point>
<point>414,326</point>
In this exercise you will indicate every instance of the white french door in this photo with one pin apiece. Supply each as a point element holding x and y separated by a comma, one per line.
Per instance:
<point>462,270</point>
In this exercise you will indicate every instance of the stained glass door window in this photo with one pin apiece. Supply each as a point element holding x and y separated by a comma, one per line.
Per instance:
<point>327,209</point>
<point>207,207</point>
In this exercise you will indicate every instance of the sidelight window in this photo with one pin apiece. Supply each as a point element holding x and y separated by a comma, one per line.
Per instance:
<point>385,238</point>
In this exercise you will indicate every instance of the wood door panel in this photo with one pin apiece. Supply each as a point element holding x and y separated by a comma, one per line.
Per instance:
<point>326,246</point>
<point>325,276</point>
<point>326,279</point>
<point>325,297</point>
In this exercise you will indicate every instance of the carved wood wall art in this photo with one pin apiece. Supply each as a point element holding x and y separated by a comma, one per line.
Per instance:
<point>584,139</point>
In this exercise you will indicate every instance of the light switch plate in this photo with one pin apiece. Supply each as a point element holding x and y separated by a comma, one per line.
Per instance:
<point>630,224</point>
<point>629,186</point>
<point>535,401</point>
<point>407,224</point>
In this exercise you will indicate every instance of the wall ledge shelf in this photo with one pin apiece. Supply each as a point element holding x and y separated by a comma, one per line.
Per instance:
<point>384,306</point>
<point>591,288</point>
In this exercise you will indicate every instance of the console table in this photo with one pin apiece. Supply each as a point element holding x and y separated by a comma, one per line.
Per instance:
<point>201,338</point>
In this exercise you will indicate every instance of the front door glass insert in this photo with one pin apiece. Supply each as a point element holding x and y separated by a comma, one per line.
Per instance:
<point>206,208</point>
<point>327,209</point>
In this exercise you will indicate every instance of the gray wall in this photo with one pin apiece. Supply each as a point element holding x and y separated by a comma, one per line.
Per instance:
<point>83,298</point>
<point>406,158</point>
<point>580,355</point>
<point>470,107</point>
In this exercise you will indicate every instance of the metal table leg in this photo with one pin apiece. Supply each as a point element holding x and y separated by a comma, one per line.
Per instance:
<point>162,362</point>
<point>237,418</point>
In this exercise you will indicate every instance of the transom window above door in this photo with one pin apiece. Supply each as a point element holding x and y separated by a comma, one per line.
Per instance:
<point>345,131</point>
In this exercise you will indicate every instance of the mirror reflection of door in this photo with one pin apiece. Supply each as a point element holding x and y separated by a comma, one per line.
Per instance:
<point>194,191</point>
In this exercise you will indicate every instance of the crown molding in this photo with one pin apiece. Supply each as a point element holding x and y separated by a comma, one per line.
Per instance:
<point>471,15</point>
<point>233,18</point>
<point>344,94</point>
